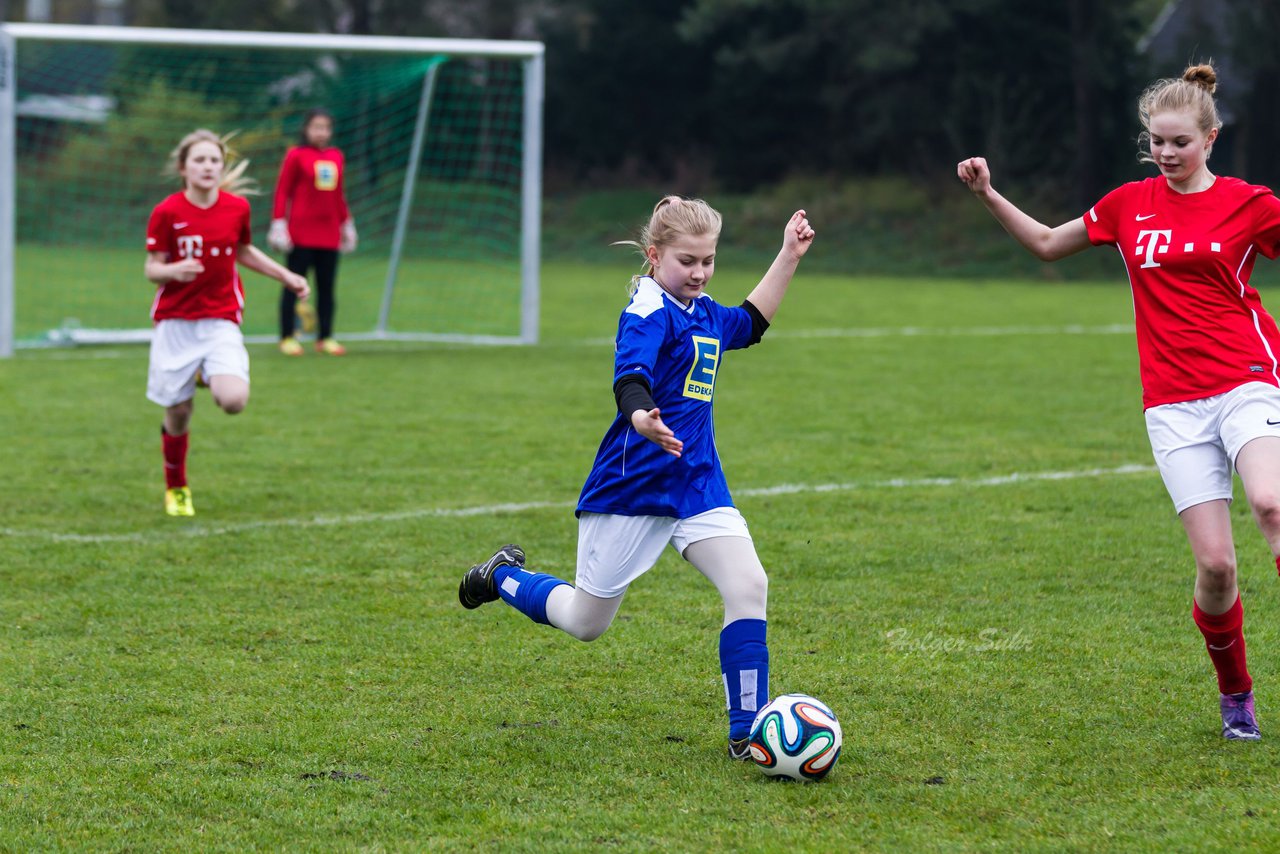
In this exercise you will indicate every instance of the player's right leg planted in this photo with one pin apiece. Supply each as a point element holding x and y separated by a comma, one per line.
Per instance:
<point>1239,723</point>
<point>177,495</point>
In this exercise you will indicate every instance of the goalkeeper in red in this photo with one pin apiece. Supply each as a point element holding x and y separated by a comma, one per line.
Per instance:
<point>1207,349</point>
<point>194,240</point>
<point>310,224</point>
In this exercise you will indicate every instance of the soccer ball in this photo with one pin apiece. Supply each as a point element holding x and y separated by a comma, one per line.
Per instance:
<point>796,737</point>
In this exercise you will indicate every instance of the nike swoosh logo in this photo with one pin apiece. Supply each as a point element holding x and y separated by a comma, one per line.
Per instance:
<point>1140,218</point>
<point>184,225</point>
<point>1271,423</point>
<point>1221,648</point>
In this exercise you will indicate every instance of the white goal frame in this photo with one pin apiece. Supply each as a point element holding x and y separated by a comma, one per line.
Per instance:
<point>530,53</point>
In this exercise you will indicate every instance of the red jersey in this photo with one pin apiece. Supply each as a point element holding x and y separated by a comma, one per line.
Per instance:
<point>310,191</point>
<point>1201,328</point>
<point>212,235</point>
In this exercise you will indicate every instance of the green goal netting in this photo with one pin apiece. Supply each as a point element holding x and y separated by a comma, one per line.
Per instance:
<point>441,138</point>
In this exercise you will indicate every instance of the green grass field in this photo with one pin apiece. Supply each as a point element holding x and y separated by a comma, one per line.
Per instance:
<point>971,560</point>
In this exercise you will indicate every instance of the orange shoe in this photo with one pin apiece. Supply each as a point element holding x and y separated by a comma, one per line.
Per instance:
<point>290,346</point>
<point>330,347</point>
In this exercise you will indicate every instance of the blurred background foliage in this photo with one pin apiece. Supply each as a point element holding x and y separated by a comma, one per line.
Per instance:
<point>858,109</point>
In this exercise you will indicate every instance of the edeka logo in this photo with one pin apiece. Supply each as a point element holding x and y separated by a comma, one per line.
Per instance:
<point>701,380</point>
<point>1157,244</point>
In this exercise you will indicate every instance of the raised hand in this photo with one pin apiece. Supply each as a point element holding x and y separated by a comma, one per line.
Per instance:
<point>798,235</point>
<point>975,173</point>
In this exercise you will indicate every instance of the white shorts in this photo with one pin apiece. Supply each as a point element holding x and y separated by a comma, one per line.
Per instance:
<point>614,551</point>
<point>179,348</point>
<point>1196,443</point>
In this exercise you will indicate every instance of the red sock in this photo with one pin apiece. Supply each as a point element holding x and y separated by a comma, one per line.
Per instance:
<point>1224,638</point>
<point>175,459</point>
<point>1278,564</point>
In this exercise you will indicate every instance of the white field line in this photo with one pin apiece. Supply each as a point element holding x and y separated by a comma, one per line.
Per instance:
<point>198,530</point>
<point>955,331</point>
<point>91,352</point>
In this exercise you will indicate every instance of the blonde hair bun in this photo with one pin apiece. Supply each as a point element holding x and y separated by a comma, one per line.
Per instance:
<point>1203,76</point>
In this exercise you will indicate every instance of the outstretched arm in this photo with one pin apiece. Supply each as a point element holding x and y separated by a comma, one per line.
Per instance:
<point>1047,244</point>
<point>796,240</point>
<point>255,259</point>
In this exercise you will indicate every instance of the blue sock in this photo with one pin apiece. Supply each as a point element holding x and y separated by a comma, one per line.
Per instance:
<point>526,591</point>
<point>744,664</point>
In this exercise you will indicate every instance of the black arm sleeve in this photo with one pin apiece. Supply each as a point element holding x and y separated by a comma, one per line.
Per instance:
<point>758,323</point>
<point>632,392</point>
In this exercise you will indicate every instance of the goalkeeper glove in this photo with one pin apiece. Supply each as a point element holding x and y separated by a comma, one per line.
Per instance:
<point>278,236</point>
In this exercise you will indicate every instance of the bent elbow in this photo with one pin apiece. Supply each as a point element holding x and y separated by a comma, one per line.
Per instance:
<point>1049,250</point>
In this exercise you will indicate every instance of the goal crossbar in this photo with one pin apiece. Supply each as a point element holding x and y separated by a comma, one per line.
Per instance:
<point>299,41</point>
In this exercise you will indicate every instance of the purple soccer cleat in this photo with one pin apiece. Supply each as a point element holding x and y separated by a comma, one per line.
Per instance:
<point>1238,719</point>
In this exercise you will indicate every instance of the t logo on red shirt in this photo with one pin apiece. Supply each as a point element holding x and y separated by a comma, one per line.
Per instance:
<point>191,246</point>
<point>1158,244</point>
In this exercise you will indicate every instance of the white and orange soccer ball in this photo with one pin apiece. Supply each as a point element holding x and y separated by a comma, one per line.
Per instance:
<point>796,737</point>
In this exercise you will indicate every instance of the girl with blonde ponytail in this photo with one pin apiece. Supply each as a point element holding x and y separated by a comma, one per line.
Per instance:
<point>195,238</point>
<point>657,479</point>
<point>1208,352</point>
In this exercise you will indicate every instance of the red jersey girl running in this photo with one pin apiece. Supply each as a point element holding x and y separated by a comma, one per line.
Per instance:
<point>311,224</point>
<point>1207,349</point>
<point>194,239</point>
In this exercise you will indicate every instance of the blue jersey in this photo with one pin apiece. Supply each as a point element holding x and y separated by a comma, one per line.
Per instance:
<point>677,349</point>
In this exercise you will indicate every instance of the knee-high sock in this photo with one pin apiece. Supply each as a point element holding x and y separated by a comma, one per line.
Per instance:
<point>744,664</point>
<point>1224,639</point>
<point>526,591</point>
<point>175,459</point>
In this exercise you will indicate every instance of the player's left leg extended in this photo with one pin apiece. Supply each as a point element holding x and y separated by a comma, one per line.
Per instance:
<point>731,564</point>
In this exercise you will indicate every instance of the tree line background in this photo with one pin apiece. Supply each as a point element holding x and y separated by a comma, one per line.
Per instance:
<point>738,95</point>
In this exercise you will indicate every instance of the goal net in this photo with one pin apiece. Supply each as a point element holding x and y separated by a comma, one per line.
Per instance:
<point>442,139</point>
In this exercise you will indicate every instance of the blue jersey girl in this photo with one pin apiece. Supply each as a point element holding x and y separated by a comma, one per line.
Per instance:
<point>657,478</point>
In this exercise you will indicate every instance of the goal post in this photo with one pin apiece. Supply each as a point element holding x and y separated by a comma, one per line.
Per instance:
<point>443,146</point>
<point>7,87</point>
